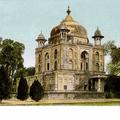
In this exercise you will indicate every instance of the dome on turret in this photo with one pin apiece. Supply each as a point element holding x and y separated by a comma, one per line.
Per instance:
<point>98,33</point>
<point>41,37</point>
<point>74,27</point>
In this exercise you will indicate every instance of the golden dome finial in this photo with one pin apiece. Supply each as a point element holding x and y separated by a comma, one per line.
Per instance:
<point>68,11</point>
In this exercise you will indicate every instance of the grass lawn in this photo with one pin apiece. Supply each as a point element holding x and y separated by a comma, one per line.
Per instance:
<point>81,102</point>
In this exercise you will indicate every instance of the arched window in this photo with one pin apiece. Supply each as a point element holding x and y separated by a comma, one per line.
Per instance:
<point>84,60</point>
<point>46,56</point>
<point>84,55</point>
<point>55,54</point>
<point>97,67</point>
<point>47,62</point>
<point>55,65</point>
<point>97,56</point>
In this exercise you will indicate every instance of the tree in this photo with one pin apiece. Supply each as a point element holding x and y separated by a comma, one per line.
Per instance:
<point>36,91</point>
<point>115,55</point>
<point>30,71</point>
<point>11,56</point>
<point>112,86</point>
<point>109,46</point>
<point>5,84</point>
<point>22,93</point>
<point>114,52</point>
<point>114,69</point>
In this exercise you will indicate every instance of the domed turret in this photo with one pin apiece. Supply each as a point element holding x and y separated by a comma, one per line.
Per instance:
<point>41,40</point>
<point>98,33</point>
<point>97,37</point>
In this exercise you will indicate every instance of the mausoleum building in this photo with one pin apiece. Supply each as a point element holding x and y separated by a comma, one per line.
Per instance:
<point>67,64</point>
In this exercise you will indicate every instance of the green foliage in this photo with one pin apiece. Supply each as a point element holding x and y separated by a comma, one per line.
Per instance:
<point>114,52</point>
<point>36,91</point>
<point>30,71</point>
<point>11,56</point>
<point>5,84</point>
<point>112,86</point>
<point>115,55</point>
<point>109,46</point>
<point>114,68</point>
<point>22,93</point>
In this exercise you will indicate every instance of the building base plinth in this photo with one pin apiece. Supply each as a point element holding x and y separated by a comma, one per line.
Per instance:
<point>73,95</point>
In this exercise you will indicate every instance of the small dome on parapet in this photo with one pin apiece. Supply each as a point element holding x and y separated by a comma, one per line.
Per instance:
<point>41,37</point>
<point>98,33</point>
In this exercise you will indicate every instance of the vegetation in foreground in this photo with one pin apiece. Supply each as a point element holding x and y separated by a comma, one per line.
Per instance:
<point>11,67</point>
<point>22,92</point>
<point>36,91</point>
<point>5,84</point>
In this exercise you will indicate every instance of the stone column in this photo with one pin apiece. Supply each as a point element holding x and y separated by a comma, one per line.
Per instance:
<point>99,85</point>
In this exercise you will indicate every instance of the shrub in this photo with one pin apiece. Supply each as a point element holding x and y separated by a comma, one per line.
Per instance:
<point>5,84</point>
<point>36,91</point>
<point>22,93</point>
<point>112,86</point>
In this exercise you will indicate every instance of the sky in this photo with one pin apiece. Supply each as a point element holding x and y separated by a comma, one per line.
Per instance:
<point>23,20</point>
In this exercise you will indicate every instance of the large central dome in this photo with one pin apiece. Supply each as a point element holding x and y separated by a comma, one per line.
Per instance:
<point>75,28</point>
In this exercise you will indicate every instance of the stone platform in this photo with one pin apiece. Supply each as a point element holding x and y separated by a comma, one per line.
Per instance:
<point>73,95</point>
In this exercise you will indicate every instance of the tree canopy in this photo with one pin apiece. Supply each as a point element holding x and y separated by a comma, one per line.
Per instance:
<point>114,52</point>
<point>11,56</point>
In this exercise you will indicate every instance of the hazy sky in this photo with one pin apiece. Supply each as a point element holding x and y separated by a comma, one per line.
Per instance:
<point>23,20</point>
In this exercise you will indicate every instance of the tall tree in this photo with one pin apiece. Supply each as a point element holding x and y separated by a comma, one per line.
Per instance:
<point>11,56</point>
<point>5,84</point>
<point>115,55</point>
<point>22,92</point>
<point>109,46</point>
<point>114,52</point>
<point>36,91</point>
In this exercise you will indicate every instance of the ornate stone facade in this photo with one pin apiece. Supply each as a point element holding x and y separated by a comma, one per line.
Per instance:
<point>68,62</point>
